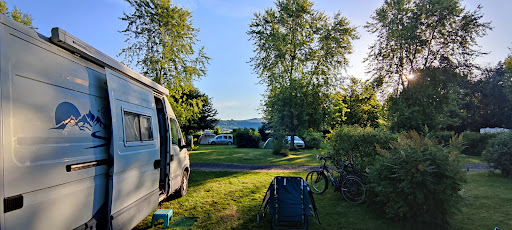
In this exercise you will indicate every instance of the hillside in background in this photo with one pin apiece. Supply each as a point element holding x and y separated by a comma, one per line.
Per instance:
<point>227,125</point>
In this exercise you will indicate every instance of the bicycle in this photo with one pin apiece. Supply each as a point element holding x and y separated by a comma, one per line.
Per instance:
<point>350,185</point>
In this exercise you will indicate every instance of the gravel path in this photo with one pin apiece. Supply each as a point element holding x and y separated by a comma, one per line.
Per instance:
<point>284,168</point>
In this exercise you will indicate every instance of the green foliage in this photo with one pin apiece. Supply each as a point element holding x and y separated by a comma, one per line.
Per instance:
<point>417,34</point>
<point>299,52</point>
<point>311,139</point>
<point>280,147</point>
<point>417,182</point>
<point>352,143</point>
<point>429,103</point>
<point>475,142</point>
<point>492,98</point>
<point>202,120</point>
<point>263,130</point>
<point>444,137</point>
<point>246,138</point>
<point>357,105</point>
<point>216,130</point>
<point>16,15</point>
<point>499,153</point>
<point>296,106</point>
<point>162,43</point>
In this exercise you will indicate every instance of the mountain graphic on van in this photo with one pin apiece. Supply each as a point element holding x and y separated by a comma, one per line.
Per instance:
<point>69,119</point>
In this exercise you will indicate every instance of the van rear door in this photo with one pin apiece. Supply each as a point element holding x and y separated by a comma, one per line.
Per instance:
<point>134,176</point>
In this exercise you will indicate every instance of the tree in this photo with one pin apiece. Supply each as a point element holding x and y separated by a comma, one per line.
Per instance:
<point>419,34</point>
<point>162,43</point>
<point>16,15</point>
<point>204,119</point>
<point>430,103</point>
<point>357,105</point>
<point>298,48</point>
<point>490,99</point>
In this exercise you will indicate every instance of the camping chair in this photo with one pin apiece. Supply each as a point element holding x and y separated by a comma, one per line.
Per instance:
<point>289,202</point>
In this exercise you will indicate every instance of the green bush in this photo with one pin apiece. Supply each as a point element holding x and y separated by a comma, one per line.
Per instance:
<point>280,147</point>
<point>499,153</point>
<point>246,138</point>
<point>312,139</point>
<point>443,137</point>
<point>475,143</point>
<point>417,182</point>
<point>359,144</point>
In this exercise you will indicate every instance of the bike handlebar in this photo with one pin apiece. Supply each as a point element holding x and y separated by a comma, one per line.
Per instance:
<point>341,164</point>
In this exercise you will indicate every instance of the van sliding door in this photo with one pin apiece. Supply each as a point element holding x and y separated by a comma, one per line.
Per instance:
<point>134,151</point>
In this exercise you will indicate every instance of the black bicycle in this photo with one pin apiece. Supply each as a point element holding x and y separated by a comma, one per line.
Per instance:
<point>348,181</point>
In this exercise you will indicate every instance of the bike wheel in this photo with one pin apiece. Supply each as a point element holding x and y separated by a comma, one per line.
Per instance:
<point>317,181</point>
<point>353,189</point>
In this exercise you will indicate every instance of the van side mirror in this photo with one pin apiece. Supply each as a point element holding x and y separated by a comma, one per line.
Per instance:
<point>190,142</point>
<point>189,145</point>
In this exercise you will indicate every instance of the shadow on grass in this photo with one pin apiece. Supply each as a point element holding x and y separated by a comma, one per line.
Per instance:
<point>232,154</point>
<point>231,200</point>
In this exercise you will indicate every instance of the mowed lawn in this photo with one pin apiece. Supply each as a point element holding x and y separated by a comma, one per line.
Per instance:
<point>230,200</point>
<point>232,154</point>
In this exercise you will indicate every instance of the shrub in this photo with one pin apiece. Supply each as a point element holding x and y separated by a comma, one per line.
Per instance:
<point>417,181</point>
<point>444,137</point>
<point>499,153</point>
<point>312,139</point>
<point>359,144</point>
<point>246,138</point>
<point>280,145</point>
<point>475,143</point>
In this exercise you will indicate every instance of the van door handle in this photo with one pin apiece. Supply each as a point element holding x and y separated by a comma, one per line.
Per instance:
<point>156,164</point>
<point>86,165</point>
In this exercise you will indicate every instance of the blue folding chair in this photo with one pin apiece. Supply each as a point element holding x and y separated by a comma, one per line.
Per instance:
<point>289,202</point>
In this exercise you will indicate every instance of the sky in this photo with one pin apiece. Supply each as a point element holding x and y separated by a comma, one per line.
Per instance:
<point>223,24</point>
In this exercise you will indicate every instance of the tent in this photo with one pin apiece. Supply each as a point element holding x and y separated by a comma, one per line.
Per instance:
<point>205,137</point>
<point>269,144</point>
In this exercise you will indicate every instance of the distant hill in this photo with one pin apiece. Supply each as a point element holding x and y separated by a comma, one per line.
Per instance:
<point>227,125</point>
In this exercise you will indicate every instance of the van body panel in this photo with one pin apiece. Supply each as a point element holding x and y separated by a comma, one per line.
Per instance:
<point>134,175</point>
<point>55,114</point>
<point>82,139</point>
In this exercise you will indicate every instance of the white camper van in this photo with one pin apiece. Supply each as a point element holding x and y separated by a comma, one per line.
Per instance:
<point>86,143</point>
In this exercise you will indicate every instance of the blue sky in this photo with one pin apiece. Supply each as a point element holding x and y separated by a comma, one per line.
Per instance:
<point>223,25</point>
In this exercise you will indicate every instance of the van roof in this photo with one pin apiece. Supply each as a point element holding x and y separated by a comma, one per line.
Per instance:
<point>72,43</point>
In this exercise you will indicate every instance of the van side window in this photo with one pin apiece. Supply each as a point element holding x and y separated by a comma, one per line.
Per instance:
<point>174,132</point>
<point>137,127</point>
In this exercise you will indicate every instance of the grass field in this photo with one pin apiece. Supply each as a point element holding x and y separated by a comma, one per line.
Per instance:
<point>230,200</point>
<point>471,159</point>
<point>232,154</point>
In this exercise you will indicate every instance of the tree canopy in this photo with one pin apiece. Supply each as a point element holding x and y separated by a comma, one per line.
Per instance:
<point>202,120</point>
<point>431,102</point>
<point>358,105</point>
<point>419,34</point>
<point>16,15</point>
<point>299,55</point>
<point>162,43</point>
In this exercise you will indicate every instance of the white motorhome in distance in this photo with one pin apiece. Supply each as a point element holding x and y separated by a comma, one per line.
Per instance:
<point>86,143</point>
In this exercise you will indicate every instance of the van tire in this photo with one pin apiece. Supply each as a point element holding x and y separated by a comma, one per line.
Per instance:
<point>184,184</point>
<point>230,143</point>
<point>213,143</point>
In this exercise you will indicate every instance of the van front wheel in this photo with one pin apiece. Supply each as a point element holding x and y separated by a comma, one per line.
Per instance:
<point>184,184</point>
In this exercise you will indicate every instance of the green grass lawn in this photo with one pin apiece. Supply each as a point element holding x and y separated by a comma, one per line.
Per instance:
<point>471,159</point>
<point>230,200</point>
<point>488,202</point>
<point>232,154</point>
